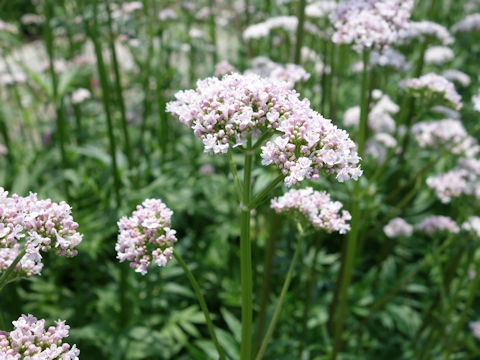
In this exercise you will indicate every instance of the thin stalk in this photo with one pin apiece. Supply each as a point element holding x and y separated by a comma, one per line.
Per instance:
<point>61,122</point>
<point>119,89</point>
<point>281,298</point>
<point>300,32</point>
<point>94,35</point>
<point>463,317</point>
<point>267,278</point>
<point>163,128</point>
<point>258,199</point>
<point>6,273</point>
<point>201,301</point>
<point>308,300</point>
<point>6,140</point>
<point>332,85</point>
<point>213,31</point>
<point>246,257</point>
<point>233,170</point>
<point>355,224</point>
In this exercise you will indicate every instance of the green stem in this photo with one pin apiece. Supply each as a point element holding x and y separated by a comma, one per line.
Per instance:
<point>267,278</point>
<point>281,298</point>
<point>201,301</point>
<point>257,200</point>
<point>213,32</point>
<point>352,240</point>
<point>300,31</point>
<point>233,170</point>
<point>246,257</point>
<point>119,89</point>
<point>5,275</point>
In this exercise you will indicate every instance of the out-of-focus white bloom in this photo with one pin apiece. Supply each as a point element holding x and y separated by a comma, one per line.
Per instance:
<point>4,26</point>
<point>438,55</point>
<point>223,68</point>
<point>435,86</point>
<point>475,327</point>
<point>377,146</point>
<point>398,227</point>
<point>167,14</point>
<point>436,223</point>
<point>457,76</point>
<point>196,33</point>
<point>472,225</point>
<point>426,31</point>
<point>476,102</point>
<point>80,95</point>
<point>379,118</point>
<point>32,19</point>
<point>289,73</point>
<point>388,58</point>
<point>3,149</point>
<point>261,30</point>
<point>319,9</point>
<point>130,7</point>
<point>16,77</point>
<point>446,112</point>
<point>448,132</point>
<point>470,23</point>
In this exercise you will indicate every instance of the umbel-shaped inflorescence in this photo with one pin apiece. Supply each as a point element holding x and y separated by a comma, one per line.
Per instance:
<point>34,226</point>
<point>146,238</point>
<point>317,207</point>
<point>30,340</point>
<point>226,112</point>
<point>370,24</point>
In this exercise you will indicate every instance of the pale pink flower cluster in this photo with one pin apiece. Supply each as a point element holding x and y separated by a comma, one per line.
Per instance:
<point>223,68</point>
<point>289,73</point>
<point>370,24</point>
<point>437,223</point>
<point>457,76</point>
<point>459,181</point>
<point>470,23</point>
<point>425,31</point>
<point>226,111</point>
<point>262,30</point>
<point>438,55</point>
<point>475,327</point>
<point>37,226</point>
<point>472,225</point>
<point>398,227</point>
<point>30,340</point>
<point>447,132</point>
<point>32,19</point>
<point>317,207</point>
<point>146,236</point>
<point>435,86</point>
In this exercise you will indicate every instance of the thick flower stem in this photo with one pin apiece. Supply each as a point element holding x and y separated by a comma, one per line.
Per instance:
<point>349,258</point>
<point>6,273</point>
<point>201,301</point>
<point>273,221</point>
<point>246,257</point>
<point>300,31</point>
<point>281,298</point>
<point>119,90</point>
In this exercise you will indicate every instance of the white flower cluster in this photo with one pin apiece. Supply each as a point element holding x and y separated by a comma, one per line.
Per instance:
<point>470,23</point>
<point>425,31</point>
<point>262,30</point>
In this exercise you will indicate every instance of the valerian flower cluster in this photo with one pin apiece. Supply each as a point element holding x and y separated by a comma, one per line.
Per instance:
<point>146,236</point>
<point>37,226</point>
<point>228,111</point>
<point>30,340</point>
<point>322,212</point>
<point>370,24</point>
